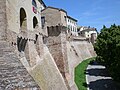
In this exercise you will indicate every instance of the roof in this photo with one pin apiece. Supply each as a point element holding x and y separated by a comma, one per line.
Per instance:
<point>71,18</point>
<point>55,8</point>
<point>85,28</point>
<point>41,1</point>
<point>90,29</point>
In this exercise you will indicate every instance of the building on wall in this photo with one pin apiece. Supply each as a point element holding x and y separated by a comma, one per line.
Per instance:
<point>27,14</point>
<point>54,16</point>
<point>24,23</point>
<point>72,25</point>
<point>43,5</point>
<point>88,32</point>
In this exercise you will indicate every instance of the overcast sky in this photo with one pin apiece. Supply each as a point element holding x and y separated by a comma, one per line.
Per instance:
<point>94,13</point>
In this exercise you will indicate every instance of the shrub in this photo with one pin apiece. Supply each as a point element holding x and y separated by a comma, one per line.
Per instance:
<point>107,47</point>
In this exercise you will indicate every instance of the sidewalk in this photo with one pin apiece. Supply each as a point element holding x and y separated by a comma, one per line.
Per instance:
<point>98,79</point>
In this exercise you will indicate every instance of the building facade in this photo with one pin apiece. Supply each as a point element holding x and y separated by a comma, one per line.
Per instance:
<point>87,31</point>
<point>72,25</point>
<point>23,15</point>
<point>54,16</point>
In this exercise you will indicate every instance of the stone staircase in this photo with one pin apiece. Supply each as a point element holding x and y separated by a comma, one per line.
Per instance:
<point>13,75</point>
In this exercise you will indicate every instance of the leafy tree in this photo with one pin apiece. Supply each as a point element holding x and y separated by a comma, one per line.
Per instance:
<point>107,48</point>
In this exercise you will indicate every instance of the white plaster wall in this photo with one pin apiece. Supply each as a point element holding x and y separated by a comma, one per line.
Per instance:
<point>13,14</point>
<point>75,33</point>
<point>88,33</point>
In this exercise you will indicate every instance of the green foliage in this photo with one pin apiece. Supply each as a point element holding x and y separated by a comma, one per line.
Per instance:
<point>80,74</point>
<point>107,48</point>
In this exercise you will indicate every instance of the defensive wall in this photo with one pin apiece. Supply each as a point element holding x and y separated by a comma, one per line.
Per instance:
<point>26,61</point>
<point>68,52</point>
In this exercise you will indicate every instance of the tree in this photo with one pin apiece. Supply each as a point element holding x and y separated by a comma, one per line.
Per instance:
<point>107,48</point>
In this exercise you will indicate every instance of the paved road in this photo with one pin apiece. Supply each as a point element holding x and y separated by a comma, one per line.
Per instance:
<point>98,79</point>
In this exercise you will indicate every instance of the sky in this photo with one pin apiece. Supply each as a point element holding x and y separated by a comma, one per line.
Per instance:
<point>93,13</point>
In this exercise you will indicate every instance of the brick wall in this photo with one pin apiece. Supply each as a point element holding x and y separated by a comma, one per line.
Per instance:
<point>57,47</point>
<point>54,17</point>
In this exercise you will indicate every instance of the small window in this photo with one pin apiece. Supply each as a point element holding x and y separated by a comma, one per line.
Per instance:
<point>43,21</point>
<point>35,22</point>
<point>65,18</point>
<point>23,19</point>
<point>34,8</point>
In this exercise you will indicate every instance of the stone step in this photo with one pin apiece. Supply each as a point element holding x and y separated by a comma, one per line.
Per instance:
<point>1,22</point>
<point>4,44</point>
<point>2,15</point>
<point>2,9</point>
<point>12,71</point>
<point>2,2</point>
<point>6,51</point>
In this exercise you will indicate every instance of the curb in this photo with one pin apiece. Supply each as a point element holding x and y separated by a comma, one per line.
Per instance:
<point>87,80</point>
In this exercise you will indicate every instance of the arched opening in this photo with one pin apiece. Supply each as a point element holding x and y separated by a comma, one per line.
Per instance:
<point>23,19</point>
<point>34,6</point>
<point>35,22</point>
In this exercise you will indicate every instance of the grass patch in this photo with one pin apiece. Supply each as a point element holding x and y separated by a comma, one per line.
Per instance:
<point>80,74</point>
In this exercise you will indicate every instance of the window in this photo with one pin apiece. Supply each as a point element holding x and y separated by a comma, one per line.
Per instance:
<point>68,20</point>
<point>34,8</point>
<point>35,22</point>
<point>43,21</point>
<point>23,19</point>
<point>71,28</point>
<point>65,18</point>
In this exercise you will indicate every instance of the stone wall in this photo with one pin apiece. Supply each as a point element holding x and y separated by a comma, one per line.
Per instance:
<point>93,37</point>
<point>77,51</point>
<point>27,63</point>
<point>40,65</point>
<point>3,19</point>
<point>47,74</point>
<point>68,54</point>
<point>13,74</point>
<point>54,16</point>
<point>57,46</point>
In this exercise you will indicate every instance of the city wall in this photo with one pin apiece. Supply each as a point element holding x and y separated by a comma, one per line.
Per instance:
<point>68,52</point>
<point>28,63</point>
<point>25,61</point>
